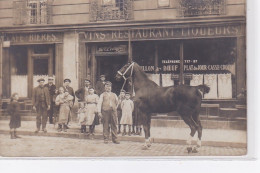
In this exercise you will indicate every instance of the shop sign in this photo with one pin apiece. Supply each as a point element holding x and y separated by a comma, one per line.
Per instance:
<point>118,49</point>
<point>34,38</point>
<point>162,33</point>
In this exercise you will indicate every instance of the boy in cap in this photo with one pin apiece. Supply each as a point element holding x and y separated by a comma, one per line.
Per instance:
<point>41,103</point>
<point>82,93</point>
<point>100,85</point>
<point>52,91</point>
<point>107,110</point>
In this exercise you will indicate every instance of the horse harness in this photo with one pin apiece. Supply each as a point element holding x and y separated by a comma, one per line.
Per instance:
<point>131,66</point>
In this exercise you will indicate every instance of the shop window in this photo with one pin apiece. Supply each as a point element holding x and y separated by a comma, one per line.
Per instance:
<point>190,8</point>
<point>102,10</point>
<point>19,70</point>
<point>32,12</point>
<point>211,62</point>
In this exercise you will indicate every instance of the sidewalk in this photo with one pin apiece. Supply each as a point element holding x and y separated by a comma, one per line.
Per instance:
<point>169,135</point>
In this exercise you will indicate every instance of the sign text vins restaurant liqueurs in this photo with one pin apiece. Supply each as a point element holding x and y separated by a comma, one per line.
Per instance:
<point>162,33</point>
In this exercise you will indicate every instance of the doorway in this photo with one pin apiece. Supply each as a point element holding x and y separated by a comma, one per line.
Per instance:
<point>109,65</point>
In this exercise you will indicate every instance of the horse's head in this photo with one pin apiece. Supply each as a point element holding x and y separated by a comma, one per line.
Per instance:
<point>125,72</point>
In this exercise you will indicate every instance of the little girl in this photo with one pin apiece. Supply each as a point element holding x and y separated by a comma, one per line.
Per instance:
<point>82,117</point>
<point>15,120</point>
<point>127,106</point>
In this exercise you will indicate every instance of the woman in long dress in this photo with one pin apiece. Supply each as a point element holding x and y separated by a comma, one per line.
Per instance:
<point>91,110</point>
<point>65,101</point>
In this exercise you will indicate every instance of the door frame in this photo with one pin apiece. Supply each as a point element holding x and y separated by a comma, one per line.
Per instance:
<point>31,57</point>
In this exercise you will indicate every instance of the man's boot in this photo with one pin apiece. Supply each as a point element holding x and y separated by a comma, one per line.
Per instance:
<point>15,135</point>
<point>12,135</point>
<point>59,128</point>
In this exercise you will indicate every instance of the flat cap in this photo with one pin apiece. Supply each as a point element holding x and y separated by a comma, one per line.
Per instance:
<point>41,79</point>
<point>67,80</point>
<point>87,80</point>
<point>127,93</point>
<point>108,83</point>
<point>102,75</point>
<point>122,91</point>
<point>50,78</point>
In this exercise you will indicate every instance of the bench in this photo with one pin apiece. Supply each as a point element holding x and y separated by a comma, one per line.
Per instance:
<point>208,106</point>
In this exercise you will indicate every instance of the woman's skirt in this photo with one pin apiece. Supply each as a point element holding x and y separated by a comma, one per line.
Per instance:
<point>15,121</point>
<point>64,114</point>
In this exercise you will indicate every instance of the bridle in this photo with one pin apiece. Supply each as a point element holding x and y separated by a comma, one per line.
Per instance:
<point>131,67</point>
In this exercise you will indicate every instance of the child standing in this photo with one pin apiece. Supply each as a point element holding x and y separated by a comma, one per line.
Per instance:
<point>91,106</point>
<point>121,97</point>
<point>15,120</point>
<point>82,117</point>
<point>127,106</point>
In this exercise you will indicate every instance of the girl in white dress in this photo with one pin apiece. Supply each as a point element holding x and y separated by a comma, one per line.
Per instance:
<point>127,106</point>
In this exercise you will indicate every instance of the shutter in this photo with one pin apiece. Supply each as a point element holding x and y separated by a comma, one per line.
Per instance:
<point>49,11</point>
<point>19,12</point>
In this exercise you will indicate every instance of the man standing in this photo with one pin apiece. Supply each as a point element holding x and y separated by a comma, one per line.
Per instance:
<point>70,90</point>
<point>100,85</point>
<point>83,92</point>
<point>107,110</point>
<point>41,103</point>
<point>52,88</point>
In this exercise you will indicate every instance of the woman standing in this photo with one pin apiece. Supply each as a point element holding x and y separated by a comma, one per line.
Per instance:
<point>15,120</point>
<point>91,110</point>
<point>65,101</point>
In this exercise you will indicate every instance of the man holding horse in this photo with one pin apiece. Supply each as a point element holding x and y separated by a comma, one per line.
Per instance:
<point>107,110</point>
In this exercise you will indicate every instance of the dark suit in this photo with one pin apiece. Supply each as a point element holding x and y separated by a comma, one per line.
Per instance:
<point>80,94</point>
<point>100,87</point>
<point>41,100</point>
<point>51,89</point>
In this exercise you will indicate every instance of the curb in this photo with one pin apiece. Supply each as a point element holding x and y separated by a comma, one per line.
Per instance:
<point>132,139</point>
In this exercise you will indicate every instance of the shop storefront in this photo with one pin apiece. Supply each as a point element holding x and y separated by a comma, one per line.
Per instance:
<point>28,57</point>
<point>212,54</point>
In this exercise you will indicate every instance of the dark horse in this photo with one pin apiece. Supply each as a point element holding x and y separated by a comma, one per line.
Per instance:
<point>150,98</point>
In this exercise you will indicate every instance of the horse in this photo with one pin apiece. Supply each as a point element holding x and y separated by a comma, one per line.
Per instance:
<point>151,98</point>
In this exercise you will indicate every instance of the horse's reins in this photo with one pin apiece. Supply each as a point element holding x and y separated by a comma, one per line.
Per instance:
<point>123,74</point>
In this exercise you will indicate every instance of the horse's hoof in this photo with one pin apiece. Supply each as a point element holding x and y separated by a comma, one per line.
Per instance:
<point>149,145</point>
<point>189,149</point>
<point>195,150</point>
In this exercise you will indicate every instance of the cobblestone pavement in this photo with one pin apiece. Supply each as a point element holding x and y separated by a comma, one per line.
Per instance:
<point>33,146</point>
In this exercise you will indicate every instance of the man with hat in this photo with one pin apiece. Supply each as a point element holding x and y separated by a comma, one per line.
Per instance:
<point>107,110</point>
<point>41,103</point>
<point>70,90</point>
<point>52,91</point>
<point>100,85</point>
<point>82,93</point>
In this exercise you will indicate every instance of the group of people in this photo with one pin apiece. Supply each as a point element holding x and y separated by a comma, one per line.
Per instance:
<point>96,106</point>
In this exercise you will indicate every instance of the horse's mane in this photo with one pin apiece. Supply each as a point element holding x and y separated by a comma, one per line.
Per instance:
<point>144,75</point>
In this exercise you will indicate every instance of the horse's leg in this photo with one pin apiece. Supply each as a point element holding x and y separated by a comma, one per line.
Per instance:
<point>146,126</point>
<point>196,118</point>
<point>189,122</point>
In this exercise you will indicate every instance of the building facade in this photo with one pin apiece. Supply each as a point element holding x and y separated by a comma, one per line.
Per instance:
<point>175,41</point>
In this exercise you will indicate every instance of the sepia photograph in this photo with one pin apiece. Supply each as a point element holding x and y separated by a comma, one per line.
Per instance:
<point>123,78</point>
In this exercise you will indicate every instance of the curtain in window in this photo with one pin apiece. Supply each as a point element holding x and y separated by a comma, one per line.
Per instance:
<point>167,80</point>
<point>155,78</point>
<point>197,79</point>
<point>19,84</point>
<point>225,86</point>
<point>211,81</point>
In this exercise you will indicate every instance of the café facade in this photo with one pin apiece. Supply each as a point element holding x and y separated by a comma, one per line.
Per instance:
<point>211,53</point>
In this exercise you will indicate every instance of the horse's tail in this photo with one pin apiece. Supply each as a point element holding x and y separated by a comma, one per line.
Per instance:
<point>203,88</point>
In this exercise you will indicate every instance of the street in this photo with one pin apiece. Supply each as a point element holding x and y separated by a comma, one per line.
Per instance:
<point>36,146</point>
